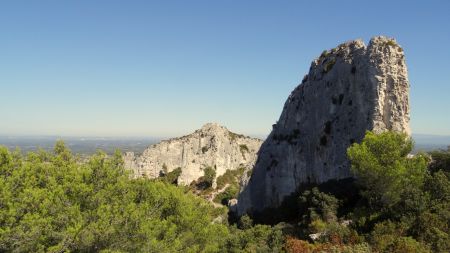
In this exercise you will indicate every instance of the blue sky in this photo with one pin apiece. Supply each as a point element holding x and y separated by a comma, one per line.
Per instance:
<point>164,68</point>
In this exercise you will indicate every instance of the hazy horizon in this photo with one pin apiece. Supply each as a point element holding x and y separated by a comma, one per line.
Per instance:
<point>161,137</point>
<point>103,68</point>
<point>89,145</point>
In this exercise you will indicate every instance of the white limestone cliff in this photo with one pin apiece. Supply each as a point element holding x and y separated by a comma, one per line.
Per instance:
<point>348,90</point>
<point>211,146</point>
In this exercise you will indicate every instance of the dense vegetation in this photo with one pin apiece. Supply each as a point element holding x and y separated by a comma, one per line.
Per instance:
<point>205,182</point>
<point>402,205</point>
<point>229,182</point>
<point>54,202</point>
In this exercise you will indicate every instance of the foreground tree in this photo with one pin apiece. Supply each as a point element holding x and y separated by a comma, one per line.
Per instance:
<point>405,205</point>
<point>53,203</point>
<point>383,168</point>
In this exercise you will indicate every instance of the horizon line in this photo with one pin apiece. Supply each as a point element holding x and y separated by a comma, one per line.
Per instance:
<point>149,136</point>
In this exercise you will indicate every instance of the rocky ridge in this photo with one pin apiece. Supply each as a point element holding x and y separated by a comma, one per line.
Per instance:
<point>211,146</point>
<point>349,89</point>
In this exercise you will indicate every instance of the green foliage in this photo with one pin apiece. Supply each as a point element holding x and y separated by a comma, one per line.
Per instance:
<point>244,149</point>
<point>440,161</point>
<point>258,238</point>
<point>407,245</point>
<point>431,225</point>
<point>205,149</point>
<point>391,43</point>
<point>245,222</point>
<point>230,177</point>
<point>407,207</point>
<point>234,136</point>
<point>53,203</point>
<point>294,245</point>
<point>172,177</point>
<point>316,205</point>
<point>230,192</point>
<point>209,175</point>
<point>401,205</point>
<point>206,181</point>
<point>336,233</point>
<point>293,208</point>
<point>390,237</point>
<point>329,65</point>
<point>324,54</point>
<point>383,169</point>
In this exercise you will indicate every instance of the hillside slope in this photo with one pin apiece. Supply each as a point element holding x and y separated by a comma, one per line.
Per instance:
<point>211,146</point>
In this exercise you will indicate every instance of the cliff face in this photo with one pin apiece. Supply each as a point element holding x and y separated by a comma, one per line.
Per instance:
<point>212,145</point>
<point>348,90</point>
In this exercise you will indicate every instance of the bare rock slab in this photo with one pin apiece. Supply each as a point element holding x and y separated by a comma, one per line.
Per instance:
<point>348,90</point>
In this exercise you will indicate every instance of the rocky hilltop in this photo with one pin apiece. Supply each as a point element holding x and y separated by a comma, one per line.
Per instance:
<point>348,90</point>
<point>211,146</point>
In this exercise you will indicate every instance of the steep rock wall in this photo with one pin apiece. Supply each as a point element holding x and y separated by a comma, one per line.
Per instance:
<point>348,90</point>
<point>211,146</point>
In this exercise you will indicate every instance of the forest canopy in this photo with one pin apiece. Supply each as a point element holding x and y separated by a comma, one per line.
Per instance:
<point>52,202</point>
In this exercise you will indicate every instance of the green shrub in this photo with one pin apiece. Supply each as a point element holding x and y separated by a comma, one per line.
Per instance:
<point>315,205</point>
<point>440,161</point>
<point>230,192</point>
<point>407,245</point>
<point>431,225</point>
<point>324,54</point>
<point>391,43</point>
<point>383,170</point>
<point>206,181</point>
<point>329,65</point>
<point>243,148</point>
<point>172,177</point>
<point>51,202</point>
<point>390,237</point>
<point>230,177</point>
<point>234,136</point>
<point>258,238</point>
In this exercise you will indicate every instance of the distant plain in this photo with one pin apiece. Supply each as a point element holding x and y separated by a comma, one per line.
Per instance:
<point>89,145</point>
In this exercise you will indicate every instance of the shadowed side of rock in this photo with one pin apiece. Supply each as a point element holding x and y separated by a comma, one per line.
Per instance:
<point>348,90</point>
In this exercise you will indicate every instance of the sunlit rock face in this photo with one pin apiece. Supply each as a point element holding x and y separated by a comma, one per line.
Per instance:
<point>348,90</point>
<point>211,146</point>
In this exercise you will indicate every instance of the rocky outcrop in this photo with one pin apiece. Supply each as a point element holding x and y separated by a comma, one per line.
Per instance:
<point>348,90</point>
<point>211,146</point>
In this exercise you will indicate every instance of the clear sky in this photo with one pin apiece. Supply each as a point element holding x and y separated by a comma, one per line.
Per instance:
<point>164,68</point>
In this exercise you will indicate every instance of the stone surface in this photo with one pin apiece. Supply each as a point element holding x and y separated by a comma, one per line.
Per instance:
<point>212,145</point>
<point>348,90</point>
<point>232,205</point>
